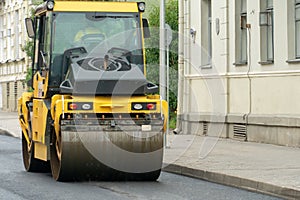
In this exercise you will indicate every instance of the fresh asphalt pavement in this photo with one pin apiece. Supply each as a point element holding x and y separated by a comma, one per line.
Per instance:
<point>17,184</point>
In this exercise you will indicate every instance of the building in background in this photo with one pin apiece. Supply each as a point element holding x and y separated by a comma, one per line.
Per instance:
<point>13,61</point>
<point>241,69</point>
<point>0,97</point>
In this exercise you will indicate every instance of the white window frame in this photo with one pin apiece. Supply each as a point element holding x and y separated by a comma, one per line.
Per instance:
<point>206,34</point>
<point>267,32</point>
<point>209,37</point>
<point>241,36</point>
<point>17,39</point>
<point>297,32</point>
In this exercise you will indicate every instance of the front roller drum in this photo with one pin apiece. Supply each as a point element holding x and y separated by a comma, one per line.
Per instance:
<point>105,155</point>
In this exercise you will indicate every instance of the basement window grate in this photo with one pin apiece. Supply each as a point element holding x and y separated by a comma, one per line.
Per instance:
<point>205,128</point>
<point>240,131</point>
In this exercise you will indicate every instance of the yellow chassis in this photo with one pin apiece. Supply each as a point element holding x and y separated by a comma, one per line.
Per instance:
<point>45,111</point>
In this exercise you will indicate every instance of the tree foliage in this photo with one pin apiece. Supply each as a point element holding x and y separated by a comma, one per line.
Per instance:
<point>152,50</point>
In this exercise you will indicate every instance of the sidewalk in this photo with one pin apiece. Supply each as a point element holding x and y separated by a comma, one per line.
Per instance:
<point>9,124</point>
<point>258,167</point>
<point>263,168</point>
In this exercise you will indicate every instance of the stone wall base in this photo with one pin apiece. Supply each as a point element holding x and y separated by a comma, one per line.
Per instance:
<point>278,130</point>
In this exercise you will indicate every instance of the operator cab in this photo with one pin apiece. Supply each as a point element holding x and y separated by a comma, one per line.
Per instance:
<point>105,38</point>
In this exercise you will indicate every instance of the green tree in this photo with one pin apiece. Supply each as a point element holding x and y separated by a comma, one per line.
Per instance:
<point>152,51</point>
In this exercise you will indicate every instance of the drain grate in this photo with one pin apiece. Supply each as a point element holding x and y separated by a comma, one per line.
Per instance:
<point>240,131</point>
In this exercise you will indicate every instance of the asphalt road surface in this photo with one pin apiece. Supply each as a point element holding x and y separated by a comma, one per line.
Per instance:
<point>17,184</point>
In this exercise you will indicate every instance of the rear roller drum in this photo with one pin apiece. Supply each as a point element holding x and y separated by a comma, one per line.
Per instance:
<point>32,164</point>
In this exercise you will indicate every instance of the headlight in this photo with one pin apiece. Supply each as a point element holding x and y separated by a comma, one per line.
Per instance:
<point>80,106</point>
<point>138,106</point>
<point>50,5</point>
<point>143,106</point>
<point>86,106</point>
<point>141,6</point>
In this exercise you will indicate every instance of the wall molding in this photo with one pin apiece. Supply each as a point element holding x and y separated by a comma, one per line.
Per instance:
<point>289,121</point>
<point>270,74</point>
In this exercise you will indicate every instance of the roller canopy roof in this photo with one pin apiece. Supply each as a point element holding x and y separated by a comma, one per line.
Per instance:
<point>90,6</point>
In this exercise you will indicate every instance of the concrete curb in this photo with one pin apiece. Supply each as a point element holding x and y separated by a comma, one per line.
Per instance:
<point>239,182</point>
<point>6,132</point>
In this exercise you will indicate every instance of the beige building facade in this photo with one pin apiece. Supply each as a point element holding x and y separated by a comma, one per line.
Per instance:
<point>240,69</point>
<point>13,61</point>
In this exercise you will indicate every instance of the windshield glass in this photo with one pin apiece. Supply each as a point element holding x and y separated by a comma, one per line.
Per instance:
<point>97,32</point>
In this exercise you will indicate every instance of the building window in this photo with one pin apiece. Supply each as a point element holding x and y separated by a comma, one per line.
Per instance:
<point>206,32</point>
<point>267,31</point>
<point>8,32</point>
<point>297,27</point>
<point>209,38</point>
<point>16,24</point>
<point>16,95</point>
<point>7,95</point>
<point>243,17</point>
<point>241,32</point>
<point>20,68</point>
<point>15,88</point>
<point>293,30</point>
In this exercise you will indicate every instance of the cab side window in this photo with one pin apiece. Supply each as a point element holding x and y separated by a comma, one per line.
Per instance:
<point>39,43</point>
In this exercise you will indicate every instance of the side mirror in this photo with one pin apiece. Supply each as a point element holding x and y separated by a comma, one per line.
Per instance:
<point>146,28</point>
<point>29,27</point>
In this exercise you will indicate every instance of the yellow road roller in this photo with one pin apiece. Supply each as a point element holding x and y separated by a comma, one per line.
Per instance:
<point>92,114</point>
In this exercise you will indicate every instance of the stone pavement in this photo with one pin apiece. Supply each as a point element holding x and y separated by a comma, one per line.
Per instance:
<point>257,167</point>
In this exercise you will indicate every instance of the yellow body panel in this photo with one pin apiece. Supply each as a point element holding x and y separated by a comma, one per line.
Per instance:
<point>40,85</point>
<point>77,6</point>
<point>39,120</point>
<point>23,111</point>
<point>102,104</point>
<point>59,107</point>
<point>41,151</point>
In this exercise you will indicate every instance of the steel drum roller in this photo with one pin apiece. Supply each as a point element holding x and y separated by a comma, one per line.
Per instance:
<point>78,153</point>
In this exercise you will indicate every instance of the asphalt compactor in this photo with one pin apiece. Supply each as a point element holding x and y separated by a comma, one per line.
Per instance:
<point>91,115</point>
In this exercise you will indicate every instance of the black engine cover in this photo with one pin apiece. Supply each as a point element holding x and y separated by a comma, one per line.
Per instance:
<point>103,76</point>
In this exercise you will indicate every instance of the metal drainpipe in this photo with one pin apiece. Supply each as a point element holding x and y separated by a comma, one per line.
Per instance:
<point>187,56</point>
<point>162,52</point>
<point>227,71</point>
<point>178,129</point>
